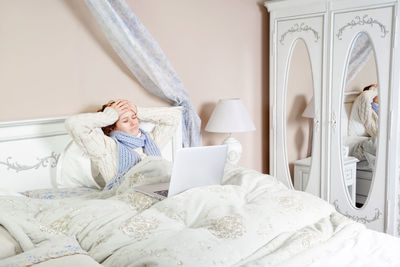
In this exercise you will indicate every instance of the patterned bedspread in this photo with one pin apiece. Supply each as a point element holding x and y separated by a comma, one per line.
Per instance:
<point>250,220</point>
<point>59,193</point>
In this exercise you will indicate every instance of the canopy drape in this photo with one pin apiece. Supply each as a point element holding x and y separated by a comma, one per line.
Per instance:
<point>360,54</point>
<point>145,59</point>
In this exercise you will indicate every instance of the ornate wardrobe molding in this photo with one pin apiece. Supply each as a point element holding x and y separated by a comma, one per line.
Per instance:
<point>359,21</point>
<point>363,220</point>
<point>302,27</point>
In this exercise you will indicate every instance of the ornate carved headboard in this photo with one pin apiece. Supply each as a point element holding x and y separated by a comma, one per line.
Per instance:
<point>29,152</point>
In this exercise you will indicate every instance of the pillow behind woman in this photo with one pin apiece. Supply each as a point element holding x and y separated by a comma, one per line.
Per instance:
<point>363,119</point>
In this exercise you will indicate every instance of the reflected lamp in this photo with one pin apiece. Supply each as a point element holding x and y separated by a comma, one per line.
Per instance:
<point>230,116</point>
<point>309,112</point>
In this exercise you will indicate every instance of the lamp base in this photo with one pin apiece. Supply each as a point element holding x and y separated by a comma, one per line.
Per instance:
<point>234,150</point>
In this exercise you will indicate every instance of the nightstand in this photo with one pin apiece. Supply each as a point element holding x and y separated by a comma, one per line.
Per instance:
<point>302,171</point>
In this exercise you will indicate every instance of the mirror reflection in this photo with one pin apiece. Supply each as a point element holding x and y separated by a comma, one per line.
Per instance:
<point>359,121</point>
<point>299,115</point>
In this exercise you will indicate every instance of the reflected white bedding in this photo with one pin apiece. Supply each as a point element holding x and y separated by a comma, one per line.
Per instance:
<point>251,220</point>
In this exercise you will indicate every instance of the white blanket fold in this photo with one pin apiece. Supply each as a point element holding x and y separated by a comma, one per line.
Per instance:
<point>250,219</point>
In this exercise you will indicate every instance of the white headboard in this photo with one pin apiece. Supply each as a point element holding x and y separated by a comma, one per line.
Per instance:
<point>349,98</point>
<point>30,149</point>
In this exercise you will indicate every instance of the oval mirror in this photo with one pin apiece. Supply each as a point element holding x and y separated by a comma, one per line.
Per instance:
<point>299,115</point>
<point>359,120</point>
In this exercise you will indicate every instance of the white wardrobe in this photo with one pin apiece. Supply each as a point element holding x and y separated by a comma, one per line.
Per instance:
<point>355,170</point>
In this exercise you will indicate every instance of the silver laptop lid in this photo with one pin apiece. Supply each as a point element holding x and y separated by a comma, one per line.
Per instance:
<point>197,166</point>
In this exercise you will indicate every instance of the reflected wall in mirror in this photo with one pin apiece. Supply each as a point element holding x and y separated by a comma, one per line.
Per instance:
<point>299,114</point>
<point>359,121</point>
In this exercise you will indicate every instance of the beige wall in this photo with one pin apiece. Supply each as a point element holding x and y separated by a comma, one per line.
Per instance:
<point>55,61</point>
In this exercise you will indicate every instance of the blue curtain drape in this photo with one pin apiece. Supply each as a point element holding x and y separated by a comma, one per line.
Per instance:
<point>360,54</point>
<point>145,59</point>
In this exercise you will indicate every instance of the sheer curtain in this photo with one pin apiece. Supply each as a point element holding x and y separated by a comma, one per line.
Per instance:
<point>145,59</point>
<point>360,54</point>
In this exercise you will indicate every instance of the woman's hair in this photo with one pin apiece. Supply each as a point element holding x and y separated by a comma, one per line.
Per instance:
<point>107,130</point>
<point>368,87</point>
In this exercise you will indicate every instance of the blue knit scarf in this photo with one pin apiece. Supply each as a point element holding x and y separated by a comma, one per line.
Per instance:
<point>127,156</point>
<point>375,107</point>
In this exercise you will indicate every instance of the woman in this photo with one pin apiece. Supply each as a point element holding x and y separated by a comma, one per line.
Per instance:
<point>113,141</point>
<point>375,101</point>
<point>366,105</point>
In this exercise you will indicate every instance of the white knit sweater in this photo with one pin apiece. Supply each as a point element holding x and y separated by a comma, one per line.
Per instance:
<point>102,149</point>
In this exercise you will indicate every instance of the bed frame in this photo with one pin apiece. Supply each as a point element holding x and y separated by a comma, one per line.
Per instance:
<point>30,150</point>
<point>363,177</point>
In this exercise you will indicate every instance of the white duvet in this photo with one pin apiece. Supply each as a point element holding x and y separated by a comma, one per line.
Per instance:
<point>251,220</point>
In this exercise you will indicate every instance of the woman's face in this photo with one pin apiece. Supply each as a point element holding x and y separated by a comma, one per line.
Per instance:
<point>128,123</point>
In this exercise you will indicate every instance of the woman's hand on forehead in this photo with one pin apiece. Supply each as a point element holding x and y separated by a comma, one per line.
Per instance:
<point>128,104</point>
<point>122,106</point>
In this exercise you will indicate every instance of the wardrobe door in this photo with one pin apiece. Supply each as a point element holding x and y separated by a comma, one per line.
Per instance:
<point>358,156</point>
<point>297,84</point>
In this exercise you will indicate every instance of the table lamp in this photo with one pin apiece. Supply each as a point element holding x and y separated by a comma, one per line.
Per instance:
<point>230,116</point>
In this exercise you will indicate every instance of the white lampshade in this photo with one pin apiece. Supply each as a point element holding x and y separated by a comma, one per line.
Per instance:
<point>309,112</point>
<point>230,116</point>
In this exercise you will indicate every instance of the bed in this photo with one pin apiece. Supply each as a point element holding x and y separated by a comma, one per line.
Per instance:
<point>358,143</point>
<point>250,220</point>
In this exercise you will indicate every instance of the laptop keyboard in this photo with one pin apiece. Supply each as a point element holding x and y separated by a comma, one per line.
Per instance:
<point>162,193</point>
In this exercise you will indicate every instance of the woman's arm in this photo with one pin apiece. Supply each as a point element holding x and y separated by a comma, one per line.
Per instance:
<point>166,121</point>
<point>85,130</point>
<point>101,149</point>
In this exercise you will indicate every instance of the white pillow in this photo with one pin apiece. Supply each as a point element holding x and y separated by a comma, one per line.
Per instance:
<point>74,168</point>
<point>147,126</point>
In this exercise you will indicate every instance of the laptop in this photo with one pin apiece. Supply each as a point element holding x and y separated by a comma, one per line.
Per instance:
<point>192,167</point>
